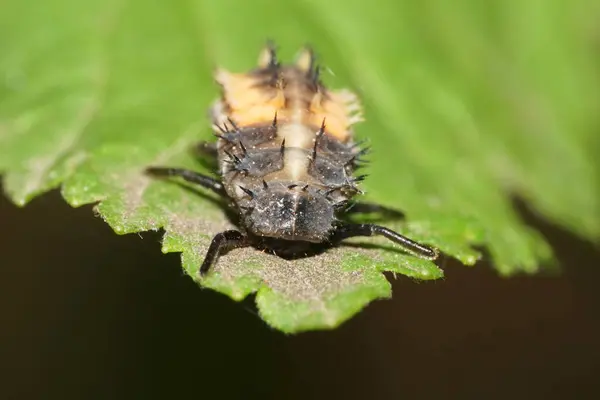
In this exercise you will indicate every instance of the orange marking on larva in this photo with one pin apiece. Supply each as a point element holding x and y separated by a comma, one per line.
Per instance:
<point>251,99</point>
<point>255,115</point>
<point>240,91</point>
<point>248,103</point>
<point>337,113</point>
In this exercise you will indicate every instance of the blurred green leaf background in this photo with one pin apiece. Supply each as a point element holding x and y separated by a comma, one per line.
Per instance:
<point>468,105</point>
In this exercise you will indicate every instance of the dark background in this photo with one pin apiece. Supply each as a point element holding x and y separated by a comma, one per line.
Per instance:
<point>86,314</point>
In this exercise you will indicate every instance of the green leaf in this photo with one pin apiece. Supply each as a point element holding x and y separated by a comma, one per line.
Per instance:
<point>467,104</point>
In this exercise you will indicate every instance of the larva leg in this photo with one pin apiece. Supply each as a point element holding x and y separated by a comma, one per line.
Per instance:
<point>345,231</point>
<point>221,241</point>
<point>190,176</point>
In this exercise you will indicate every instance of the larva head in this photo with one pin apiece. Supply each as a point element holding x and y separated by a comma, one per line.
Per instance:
<point>290,212</point>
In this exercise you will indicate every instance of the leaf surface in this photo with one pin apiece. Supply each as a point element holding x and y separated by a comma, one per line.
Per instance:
<point>466,105</point>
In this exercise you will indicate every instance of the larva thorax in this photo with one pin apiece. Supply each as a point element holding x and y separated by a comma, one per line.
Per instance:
<point>285,147</point>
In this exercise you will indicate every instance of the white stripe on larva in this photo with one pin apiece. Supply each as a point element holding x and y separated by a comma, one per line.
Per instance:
<point>297,135</point>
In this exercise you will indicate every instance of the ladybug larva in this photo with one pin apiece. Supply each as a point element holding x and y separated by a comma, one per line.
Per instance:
<point>286,159</point>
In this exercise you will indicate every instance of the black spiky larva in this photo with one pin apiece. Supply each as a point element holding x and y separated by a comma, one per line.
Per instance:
<point>286,157</point>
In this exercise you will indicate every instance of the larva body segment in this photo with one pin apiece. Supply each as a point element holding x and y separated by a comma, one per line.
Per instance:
<point>285,148</point>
